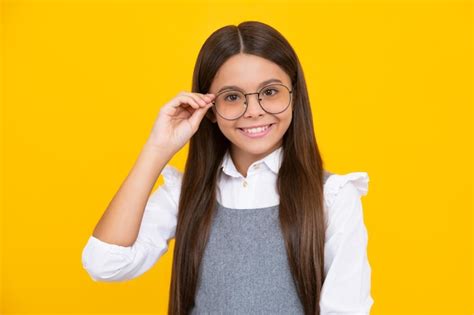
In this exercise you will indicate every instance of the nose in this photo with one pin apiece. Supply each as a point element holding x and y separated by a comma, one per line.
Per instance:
<point>253,106</point>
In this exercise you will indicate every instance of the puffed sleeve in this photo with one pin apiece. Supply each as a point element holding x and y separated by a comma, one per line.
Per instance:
<point>346,289</point>
<point>110,262</point>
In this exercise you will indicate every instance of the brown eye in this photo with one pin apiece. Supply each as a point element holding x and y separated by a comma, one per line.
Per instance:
<point>233,97</point>
<point>275,91</point>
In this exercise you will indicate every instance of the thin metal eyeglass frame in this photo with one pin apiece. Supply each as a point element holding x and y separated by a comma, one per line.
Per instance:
<point>258,99</point>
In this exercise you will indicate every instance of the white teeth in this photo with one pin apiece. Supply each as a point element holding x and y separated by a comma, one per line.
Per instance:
<point>256,130</point>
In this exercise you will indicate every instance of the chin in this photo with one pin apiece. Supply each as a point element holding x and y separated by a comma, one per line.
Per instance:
<point>256,148</point>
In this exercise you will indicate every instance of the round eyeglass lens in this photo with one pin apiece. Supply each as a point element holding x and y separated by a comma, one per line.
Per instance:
<point>273,98</point>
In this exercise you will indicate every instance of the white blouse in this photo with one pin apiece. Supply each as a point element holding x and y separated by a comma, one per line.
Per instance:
<point>346,288</point>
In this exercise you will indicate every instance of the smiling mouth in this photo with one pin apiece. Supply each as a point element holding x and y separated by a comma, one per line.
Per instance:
<point>257,132</point>
<point>257,129</point>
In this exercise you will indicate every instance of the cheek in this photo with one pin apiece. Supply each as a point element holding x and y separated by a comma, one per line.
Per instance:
<point>285,120</point>
<point>226,127</point>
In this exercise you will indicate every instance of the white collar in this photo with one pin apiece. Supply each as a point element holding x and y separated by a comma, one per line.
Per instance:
<point>272,160</point>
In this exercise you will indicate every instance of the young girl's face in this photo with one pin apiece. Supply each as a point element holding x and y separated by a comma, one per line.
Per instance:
<point>248,72</point>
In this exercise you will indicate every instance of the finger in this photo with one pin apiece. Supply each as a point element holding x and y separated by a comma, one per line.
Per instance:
<point>206,97</point>
<point>197,98</point>
<point>185,99</point>
<point>198,115</point>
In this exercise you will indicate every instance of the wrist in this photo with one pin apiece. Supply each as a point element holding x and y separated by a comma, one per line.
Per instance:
<point>164,150</point>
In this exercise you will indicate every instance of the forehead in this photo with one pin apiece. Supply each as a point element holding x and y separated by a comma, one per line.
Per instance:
<point>247,72</point>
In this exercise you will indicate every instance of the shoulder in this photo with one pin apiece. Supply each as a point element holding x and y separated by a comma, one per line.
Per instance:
<point>354,184</point>
<point>172,176</point>
<point>171,186</point>
<point>342,197</point>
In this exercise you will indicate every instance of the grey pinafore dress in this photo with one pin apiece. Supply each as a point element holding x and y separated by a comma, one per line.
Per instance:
<point>244,269</point>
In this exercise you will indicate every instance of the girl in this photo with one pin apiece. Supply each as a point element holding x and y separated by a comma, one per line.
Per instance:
<point>259,225</point>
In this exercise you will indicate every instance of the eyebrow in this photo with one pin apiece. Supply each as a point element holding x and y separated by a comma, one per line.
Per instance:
<point>234,87</point>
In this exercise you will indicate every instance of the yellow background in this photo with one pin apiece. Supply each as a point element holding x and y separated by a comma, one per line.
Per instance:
<point>390,84</point>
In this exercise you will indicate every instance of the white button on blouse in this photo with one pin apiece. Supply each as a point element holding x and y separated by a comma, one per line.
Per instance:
<point>346,288</point>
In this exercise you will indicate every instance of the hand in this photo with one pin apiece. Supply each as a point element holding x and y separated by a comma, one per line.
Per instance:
<point>179,119</point>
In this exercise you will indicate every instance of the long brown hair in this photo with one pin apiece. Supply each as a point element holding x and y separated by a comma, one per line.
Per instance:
<point>300,178</point>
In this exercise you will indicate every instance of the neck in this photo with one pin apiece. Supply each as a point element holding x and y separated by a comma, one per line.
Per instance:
<point>243,159</point>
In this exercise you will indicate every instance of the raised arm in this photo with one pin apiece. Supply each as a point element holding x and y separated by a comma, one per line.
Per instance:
<point>114,251</point>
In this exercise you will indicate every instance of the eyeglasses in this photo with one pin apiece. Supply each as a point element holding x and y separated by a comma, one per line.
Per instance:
<point>232,104</point>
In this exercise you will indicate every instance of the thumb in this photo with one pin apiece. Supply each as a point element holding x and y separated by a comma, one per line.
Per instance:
<point>198,115</point>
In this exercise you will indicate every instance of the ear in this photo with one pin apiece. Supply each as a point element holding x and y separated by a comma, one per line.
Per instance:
<point>211,115</point>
